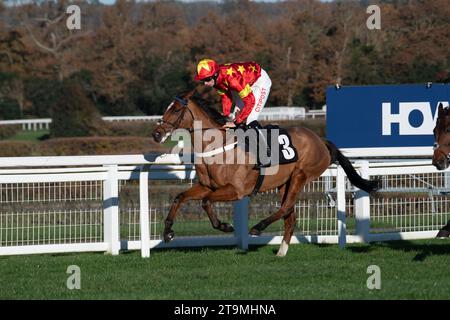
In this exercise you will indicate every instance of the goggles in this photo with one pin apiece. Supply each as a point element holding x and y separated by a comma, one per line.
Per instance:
<point>207,79</point>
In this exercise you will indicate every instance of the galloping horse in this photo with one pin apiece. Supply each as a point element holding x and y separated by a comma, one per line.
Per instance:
<point>441,154</point>
<point>229,182</point>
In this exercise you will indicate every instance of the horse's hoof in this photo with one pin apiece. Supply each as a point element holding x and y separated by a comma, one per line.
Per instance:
<point>255,232</point>
<point>443,234</point>
<point>168,236</point>
<point>226,227</point>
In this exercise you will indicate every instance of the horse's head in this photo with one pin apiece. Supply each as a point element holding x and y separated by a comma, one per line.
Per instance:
<point>441,155</point>
<point>177,116</point>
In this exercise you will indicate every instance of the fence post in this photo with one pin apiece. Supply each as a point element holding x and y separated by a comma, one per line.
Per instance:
<point>340,190</point>
<point>144,212</point>
<point>111,210</point>
<point>362,206</point>
<point>240,222</point>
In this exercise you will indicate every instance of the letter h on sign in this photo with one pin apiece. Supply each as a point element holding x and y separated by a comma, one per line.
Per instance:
<point>403,118</point>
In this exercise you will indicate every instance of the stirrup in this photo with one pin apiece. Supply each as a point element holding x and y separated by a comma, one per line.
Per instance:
<point>261,165</point>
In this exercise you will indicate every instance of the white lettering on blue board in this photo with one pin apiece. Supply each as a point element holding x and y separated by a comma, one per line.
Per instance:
<point>402,118</point>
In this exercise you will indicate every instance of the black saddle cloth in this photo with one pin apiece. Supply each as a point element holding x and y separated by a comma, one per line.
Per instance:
<point>280,142</point>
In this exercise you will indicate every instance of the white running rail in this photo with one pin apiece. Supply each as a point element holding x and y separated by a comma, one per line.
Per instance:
<point>108,203</point>
<point>273,113</point>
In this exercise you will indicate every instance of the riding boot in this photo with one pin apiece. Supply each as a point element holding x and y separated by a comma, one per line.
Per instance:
<point>262,144</point>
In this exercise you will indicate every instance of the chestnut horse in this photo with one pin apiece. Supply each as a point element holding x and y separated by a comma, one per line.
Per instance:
<point>441,154</point>
<point>229,182</point>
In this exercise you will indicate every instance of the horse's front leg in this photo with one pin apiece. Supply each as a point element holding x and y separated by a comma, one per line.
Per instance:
<point>197,192</point>
<point>225,193</point>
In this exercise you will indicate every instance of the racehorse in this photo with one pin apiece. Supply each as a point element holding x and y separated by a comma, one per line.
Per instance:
<point>229,182</point>
<point>441,154</point>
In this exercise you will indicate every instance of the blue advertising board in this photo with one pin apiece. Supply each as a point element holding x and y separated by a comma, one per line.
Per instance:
<point>384,116</point>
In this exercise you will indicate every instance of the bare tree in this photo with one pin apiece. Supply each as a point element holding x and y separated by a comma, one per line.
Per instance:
<point>49,33</point>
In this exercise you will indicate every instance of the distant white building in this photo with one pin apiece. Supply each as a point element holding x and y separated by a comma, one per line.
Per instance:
<point>267,114</point>
<point>282,113</point>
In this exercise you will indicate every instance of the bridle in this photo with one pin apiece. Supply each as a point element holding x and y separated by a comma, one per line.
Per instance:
<point>437,146</point>
<point>175,124</point>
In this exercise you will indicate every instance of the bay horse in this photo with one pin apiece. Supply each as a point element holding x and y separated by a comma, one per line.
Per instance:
<point>441,153</point>
<point>230,182</point>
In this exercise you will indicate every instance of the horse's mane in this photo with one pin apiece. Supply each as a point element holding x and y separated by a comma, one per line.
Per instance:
<point>215,115</point>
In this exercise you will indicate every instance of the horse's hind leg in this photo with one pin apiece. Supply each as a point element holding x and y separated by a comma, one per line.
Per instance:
<point>296,184</point>
<point>289,226</point>
<point>215,222</point>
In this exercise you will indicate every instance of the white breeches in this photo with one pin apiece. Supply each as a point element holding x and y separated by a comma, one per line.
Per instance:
<point>260,90</point>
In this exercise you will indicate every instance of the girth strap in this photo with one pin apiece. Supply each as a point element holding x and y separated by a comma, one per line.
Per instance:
<point>259,182</point>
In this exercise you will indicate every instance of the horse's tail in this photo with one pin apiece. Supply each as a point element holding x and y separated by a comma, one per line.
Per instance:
<point>337,156</point>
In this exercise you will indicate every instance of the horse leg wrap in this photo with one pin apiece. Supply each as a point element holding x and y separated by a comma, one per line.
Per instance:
<point>226,227</point>
<point>223,226</point>
<point>168,234</point>
<point>256,230</point>
<point>168,224</point>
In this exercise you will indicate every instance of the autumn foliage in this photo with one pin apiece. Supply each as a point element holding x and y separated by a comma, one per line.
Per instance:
<point>133,57</point>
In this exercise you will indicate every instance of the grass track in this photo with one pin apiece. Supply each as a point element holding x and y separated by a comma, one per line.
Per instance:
<point>29,135</point>
<point>409,270</point>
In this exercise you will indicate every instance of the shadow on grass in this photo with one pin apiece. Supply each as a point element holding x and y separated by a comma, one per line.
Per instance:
<point>424,250</point>
<point>361,248</point>
<point>182,250</point>
<point>252,248</point>
<point>44,137</point>
<point>194,249</point>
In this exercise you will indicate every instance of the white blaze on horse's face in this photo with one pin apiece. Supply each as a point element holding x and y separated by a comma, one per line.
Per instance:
<point>165,137</point>
<point>161,129</point>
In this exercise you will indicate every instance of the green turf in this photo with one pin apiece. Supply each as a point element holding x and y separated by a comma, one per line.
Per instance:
<point>43,232</point>
<point>29,135</point>
<point>409,270</point>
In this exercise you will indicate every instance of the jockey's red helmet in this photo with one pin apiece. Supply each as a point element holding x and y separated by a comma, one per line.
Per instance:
<point>206,68</point>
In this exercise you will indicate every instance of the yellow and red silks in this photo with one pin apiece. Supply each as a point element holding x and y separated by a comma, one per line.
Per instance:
<point>238,77</point>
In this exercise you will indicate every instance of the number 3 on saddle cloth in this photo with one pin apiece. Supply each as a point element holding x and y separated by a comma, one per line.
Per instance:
<point>286,150</point>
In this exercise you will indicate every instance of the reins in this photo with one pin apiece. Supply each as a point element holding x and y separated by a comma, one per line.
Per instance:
<point>437,146</point>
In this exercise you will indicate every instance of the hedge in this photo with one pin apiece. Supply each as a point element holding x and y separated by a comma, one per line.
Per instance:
<point>131,128</point>
<point>7,131</point>
<point>98,146</point>
<point>16,148</point>
<point>81,146</point>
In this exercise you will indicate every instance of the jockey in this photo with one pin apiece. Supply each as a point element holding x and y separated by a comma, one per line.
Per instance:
<point>248,80</point>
